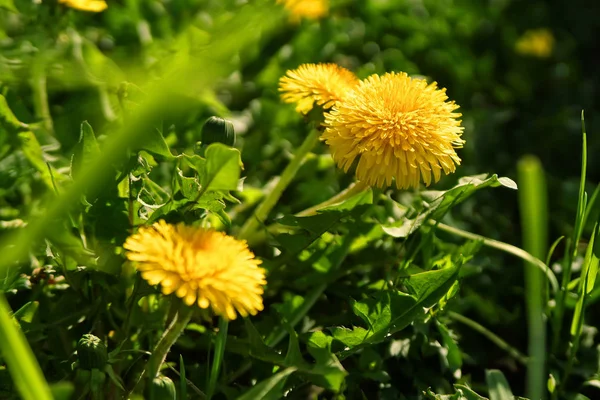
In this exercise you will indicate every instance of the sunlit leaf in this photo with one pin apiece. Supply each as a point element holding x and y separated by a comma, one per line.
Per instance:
<point>439,202</point>
<point>222,168</point>
<point>390,311</point>
<point>271,388</point>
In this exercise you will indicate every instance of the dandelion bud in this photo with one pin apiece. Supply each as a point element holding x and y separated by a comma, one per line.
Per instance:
<point>218,130</point>
<point>161,387</point>
<point>91,353</point>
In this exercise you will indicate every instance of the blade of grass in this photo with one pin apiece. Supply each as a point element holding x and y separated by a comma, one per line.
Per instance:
<point>21,362</point>
<point>571,249</point>
<point>182,379</point>
<point>534,224</point>
<point>498,385</point>
<point>586,284</point>
<point>218,357</point>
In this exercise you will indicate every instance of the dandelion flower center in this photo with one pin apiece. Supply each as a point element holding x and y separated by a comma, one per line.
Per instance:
<point>200,266</point>
<point>398,128</point>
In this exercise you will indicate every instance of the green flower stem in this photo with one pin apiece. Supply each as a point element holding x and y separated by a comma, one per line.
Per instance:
<point>350,191</point>
<point>262,211</point>
<point>508,248</point>
<point>534,223</point>
<point>354,188</point>
<point>40,95</point>
<point>497,340</point>
<point>218,357</point>
<point>167,340</point>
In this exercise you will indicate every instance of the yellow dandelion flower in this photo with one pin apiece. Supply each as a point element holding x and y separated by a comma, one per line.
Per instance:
<point>86,5</point>
<point>398,128</point>
<point>324,84</point>
<point>312,9</point>
<point>536,42</point>
<point>200,266</point>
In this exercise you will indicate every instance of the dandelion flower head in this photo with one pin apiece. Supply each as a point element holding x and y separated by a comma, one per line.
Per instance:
<point>537,43</point>
<point>201,266</point>
<point>86,5</point>
<point>311,9</point>
<point>323,84</point>
<point>399,128</point>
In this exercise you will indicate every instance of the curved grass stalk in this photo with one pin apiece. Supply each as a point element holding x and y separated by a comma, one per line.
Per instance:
<point>497,340</point>
<point>508,248</point>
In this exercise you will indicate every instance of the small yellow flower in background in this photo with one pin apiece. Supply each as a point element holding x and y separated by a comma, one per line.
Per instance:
<point>86,5</point>
<point>200,266</point>
<point>324,84</point>
<point>536,42</point>
<point>312,9</point>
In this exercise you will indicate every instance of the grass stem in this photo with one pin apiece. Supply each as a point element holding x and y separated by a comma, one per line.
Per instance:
<point>22,364</point>
<point>264,208</point>
<point>497,340</point>
<point>508,248</point>
<point>218,357</point>
<point>169,337</point>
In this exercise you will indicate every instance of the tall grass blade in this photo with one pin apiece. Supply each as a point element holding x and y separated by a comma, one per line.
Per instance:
<point>218,357</point>
<point>571,248</point>
<point>21,362</point>
<point>534,222</point>
<point>182,379</point>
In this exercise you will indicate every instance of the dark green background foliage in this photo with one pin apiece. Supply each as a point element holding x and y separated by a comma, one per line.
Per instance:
<point>100,132</point>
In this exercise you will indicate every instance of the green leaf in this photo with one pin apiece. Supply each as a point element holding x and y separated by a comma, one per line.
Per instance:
<point>439,202</point>
<point>498,385</point>
<point>592,268</point>
<point>327,372</point>
<point>27,312</point>
<point>8,120</point>
<point>87,149</point>
<point>293,356</point>
<point>33,151</point>
<point>62,390</point>
<point>189,186</point>
<point>314,226</point>
<point>154,142</point>
<point>390,311</point>
<point>468,393</point>
<point>222,168</point>
<point>8,5</point>
<point>586,281</point>
<point>453,355</point>
<point>271,388</point>
<point>258,348</point>
<point>87,139</point>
